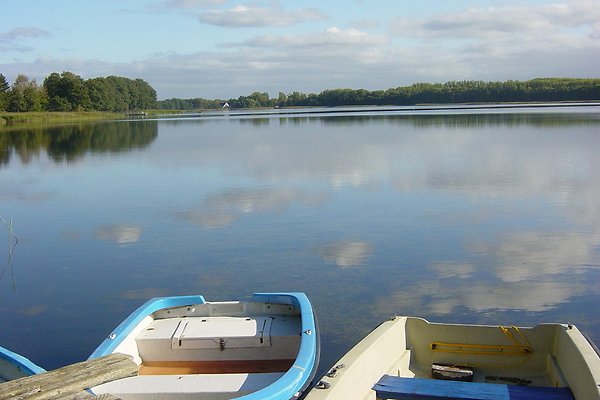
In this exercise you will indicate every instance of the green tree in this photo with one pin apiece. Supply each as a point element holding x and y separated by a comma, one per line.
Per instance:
<point>66,92</point>
<point>33,97</point>
<point>16,95</point>
<point>4,88</point>
<point>282,99</point>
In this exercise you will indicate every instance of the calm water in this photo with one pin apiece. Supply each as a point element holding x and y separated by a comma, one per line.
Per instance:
<point>468,216</point>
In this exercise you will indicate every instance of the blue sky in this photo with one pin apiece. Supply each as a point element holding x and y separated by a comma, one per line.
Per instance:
<point>228,48</point>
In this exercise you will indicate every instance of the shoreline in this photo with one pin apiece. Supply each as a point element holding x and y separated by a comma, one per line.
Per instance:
<point>411,108</point>
<point>44,118</point>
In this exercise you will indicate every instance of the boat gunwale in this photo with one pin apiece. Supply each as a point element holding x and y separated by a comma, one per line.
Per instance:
<point>22,363</point>
<point>132,321</point>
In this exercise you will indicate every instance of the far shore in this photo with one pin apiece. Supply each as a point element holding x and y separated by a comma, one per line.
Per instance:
<point>44,118</point>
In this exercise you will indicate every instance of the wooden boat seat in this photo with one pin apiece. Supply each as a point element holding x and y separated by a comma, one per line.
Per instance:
<point>393,387</point>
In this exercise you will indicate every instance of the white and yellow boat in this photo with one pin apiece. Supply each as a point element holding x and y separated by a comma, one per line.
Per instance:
<point>411,358</point>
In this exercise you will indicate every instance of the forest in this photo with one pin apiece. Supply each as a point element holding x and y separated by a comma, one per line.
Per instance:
<point>69,92</point>
<point>536,90</point>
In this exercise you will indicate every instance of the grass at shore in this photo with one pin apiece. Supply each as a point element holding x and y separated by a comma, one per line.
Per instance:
<point>8,119</point>
<point>18,120</point>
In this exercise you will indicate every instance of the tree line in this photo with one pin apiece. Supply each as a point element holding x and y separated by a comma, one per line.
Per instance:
<point>69,92</point>
<point>536,90</point>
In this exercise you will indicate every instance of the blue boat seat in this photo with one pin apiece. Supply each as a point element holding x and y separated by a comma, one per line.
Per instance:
<point>393,387</point>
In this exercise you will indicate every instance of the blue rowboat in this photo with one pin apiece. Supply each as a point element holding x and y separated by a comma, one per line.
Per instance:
<point>186,347</point>
<point>14,366</point>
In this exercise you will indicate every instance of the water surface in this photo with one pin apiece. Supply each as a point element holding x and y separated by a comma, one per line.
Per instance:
<point>474,216</point>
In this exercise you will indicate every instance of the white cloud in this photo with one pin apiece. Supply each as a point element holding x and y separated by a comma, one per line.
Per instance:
<point>477,23</point>
<point>331,37</point>
<point>572,13</point>
<point>483,43</point>
<point>472,23</point>
<point>10,41</point>
<point>513,42</point>
<point>334,58</point>
<point>23,32</point>
<point>189,4</point>
<point>254,16</point>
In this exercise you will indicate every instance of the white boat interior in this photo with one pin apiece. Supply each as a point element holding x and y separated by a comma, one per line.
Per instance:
<point>223,350</point>
<point>547,355</point>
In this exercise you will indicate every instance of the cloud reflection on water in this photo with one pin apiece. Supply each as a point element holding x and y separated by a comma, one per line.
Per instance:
<point>527,296</point>
<point>495,167</point>
<point>523,256</point>
<point>121,234</point>
<point>438,298</point>
<point>450,269</point>
<point>531,271</point>
<point>346,254</point>
<point>221,209</point>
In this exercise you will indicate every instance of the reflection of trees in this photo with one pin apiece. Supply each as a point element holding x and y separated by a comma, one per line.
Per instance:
<point>455,117</point>
<point>469,120</point>
<point>74,141</point>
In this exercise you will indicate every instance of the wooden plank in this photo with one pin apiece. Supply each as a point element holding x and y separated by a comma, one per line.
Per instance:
<point>392,387</point>
<point>70,380</point>
<point>516,392</point>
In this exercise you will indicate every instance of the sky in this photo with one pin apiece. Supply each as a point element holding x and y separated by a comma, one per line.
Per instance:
<point>228,48</point>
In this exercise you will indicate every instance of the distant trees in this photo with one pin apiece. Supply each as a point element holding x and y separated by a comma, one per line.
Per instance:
<point>549,89</point>
<point>69,92</point>
<point>4,88</point>
<point>66,92</point>
<point>189,104</point>
<point>24,95</point>
<point>546,89</point>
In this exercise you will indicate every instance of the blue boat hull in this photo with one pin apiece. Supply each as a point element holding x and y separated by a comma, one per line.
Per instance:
<point>290,384</point>
<point>14,366</point>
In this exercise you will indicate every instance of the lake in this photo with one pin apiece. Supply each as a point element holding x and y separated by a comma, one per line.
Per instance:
<point>476,216</point>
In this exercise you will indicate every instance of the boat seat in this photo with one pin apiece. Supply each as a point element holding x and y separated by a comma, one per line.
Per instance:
<point>212,344</point>
<point>209,387</point>
<point>393,387</point>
